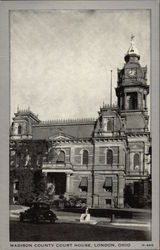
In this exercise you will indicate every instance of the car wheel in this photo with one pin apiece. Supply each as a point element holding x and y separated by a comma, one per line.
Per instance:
<point>21,218</point>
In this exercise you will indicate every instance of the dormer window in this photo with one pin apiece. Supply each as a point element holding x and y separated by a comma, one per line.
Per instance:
<point>19,129</point>
<point>136,161</point>
<point>109,125</point>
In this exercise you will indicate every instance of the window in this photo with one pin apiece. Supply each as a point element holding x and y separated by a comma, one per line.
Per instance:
<point>61,157</point>
<point>16,185</point>
<point>136,161</point>
<point>109,125</point>
<point>108,184</point>
<point>84,184</point>
<point>132,100</point>
<point>18,159</point>
<point>15,199</point>
<point>85,157</point>
<point>19,129</point>
<point>108,202</point>
<point>109,156</point>
<point>51,155</point>
<point>144,101</point>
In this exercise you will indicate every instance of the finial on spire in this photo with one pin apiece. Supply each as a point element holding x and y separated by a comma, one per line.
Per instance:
<point>18,108</point>
<point>132,37</point>
<point>132,50</point>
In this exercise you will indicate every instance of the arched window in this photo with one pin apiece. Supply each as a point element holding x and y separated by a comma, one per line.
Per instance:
<point>109,125</point>
<point>136,161</point>
<point>61,157</point>
<point>109,156</point>
<point>132,100</point>
<point>85,157</point>
<point>19,129</point>
<point>52,155</point>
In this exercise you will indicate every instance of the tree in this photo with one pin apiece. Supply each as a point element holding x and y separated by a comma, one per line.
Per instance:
<point>39,182</point>
<point>26,186</point>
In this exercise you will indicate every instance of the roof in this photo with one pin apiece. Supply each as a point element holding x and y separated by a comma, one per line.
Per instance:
<point>75,128</point>
<point>26,112</point>
<point>132,49</point>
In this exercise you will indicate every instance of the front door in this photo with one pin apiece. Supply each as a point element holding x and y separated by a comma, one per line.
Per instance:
<point>59,181</point>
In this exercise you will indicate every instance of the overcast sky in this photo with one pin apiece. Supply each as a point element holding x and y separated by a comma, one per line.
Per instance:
<point>61,60</point>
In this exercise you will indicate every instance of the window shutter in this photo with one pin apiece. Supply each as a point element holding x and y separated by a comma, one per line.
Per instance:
<point>84,182</point>
<point>108,182</point>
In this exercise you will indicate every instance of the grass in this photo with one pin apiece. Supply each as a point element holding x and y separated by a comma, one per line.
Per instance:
<point>72,232</point>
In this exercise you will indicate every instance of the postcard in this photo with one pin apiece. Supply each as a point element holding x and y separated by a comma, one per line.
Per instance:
<point>79,131</point>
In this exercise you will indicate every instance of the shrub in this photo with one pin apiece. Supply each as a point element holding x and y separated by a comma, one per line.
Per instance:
<point>76,202</point>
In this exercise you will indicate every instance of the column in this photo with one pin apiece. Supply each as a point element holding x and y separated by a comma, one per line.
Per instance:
<point>114,192</point>
<point>121,191</point>
<point>145,101</point>
<point>120,102</point>
<point>139,100</point>
<point>144,105</point>
<point>67,183</point>
<point>125,101</point>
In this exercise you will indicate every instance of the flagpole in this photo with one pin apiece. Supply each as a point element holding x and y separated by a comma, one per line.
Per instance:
<point>111,90</point>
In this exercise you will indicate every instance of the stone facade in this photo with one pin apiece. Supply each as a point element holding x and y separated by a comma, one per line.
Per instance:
<point>93,158</point>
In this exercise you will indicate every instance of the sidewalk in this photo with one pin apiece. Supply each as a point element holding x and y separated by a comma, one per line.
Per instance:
<point>67,217</point>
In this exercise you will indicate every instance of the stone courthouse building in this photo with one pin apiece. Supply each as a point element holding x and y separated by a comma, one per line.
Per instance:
<point>95,159</point>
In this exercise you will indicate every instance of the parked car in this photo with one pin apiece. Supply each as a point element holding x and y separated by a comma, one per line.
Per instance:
<point>39,211</point>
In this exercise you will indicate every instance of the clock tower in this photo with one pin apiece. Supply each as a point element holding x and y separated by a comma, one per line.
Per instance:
<point>132,91</point>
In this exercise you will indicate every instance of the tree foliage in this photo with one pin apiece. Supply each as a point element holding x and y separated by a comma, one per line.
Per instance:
<point>31,184</point>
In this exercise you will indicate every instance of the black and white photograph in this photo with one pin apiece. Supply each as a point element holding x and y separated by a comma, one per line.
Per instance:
<point>80,128</point>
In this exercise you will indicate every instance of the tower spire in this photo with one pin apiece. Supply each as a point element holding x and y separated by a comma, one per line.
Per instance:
<point>132,51</point>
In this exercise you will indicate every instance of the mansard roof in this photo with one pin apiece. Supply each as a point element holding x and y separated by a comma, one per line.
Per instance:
<point>21,113</point>
<point>73,128</point>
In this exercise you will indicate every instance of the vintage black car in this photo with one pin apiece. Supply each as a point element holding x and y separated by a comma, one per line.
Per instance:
<point>39,211</point>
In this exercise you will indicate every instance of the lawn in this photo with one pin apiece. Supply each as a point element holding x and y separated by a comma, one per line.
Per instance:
<point>72,232</point>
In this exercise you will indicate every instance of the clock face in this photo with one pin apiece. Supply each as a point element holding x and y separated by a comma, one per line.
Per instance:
<point>131,72</point>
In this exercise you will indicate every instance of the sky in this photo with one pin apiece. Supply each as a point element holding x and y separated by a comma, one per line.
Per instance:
<point>61,59</point>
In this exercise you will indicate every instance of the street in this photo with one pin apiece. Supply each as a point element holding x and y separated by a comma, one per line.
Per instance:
<point>61,231</point>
